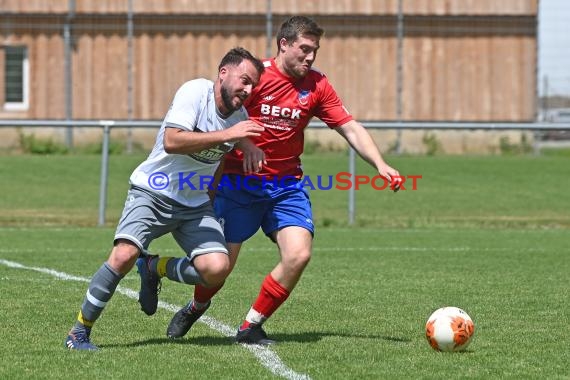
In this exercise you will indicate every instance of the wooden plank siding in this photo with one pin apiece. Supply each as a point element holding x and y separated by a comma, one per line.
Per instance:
<point>463,60</point>
<point>367,7</point>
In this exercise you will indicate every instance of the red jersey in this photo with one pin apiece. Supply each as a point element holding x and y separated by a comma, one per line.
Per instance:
<point>284,106</point>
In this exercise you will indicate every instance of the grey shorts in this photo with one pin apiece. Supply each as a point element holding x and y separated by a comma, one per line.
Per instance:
<point>147,217</point>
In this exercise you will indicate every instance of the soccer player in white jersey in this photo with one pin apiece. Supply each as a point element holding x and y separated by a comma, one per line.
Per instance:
<point>167,193</point>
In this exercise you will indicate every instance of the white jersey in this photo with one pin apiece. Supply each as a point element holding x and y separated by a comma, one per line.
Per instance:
<point>184,178</point>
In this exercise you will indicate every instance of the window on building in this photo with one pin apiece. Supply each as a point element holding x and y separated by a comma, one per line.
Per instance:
<point>15,78</point>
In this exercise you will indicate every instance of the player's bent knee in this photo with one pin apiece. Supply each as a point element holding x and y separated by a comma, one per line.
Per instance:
<point>213,279</point>
<point>303,260</point>
<point>213,268</point>
<point>298,261</point>
<point>123,256</point>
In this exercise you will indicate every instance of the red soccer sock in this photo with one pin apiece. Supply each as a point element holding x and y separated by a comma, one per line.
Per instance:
<point>271,296</point>
<point>202,295</point>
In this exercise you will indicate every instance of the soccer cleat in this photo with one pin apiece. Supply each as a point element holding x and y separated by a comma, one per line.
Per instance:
<point>183,321</point>
<point>150,285</point>
<point>254,334</point>
<point>79,341</point>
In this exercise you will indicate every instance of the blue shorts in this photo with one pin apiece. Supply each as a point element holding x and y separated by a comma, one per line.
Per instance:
<point>244,204</point>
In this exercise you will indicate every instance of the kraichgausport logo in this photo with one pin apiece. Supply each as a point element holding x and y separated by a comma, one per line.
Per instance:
<point>340,181</point>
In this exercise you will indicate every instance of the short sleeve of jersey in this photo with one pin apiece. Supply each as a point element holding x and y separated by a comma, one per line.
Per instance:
<point>331,110</point>
<point>185,107</point>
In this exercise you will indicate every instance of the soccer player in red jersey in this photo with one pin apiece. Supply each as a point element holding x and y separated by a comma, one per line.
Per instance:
<point>289,94</point>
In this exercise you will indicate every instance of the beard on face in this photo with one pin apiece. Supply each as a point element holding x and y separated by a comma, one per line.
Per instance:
<point>227,99</point>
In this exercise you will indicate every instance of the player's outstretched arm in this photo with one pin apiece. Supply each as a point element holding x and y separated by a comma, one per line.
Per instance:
<point>361,141</point>
<point>180,141</point>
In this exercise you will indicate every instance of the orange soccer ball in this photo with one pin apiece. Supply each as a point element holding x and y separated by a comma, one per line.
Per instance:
<point>449,329</point>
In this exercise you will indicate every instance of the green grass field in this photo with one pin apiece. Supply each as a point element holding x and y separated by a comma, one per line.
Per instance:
<point>488,234</point>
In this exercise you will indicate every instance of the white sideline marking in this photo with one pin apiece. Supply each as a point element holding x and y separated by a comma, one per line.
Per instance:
<point>266,357</point>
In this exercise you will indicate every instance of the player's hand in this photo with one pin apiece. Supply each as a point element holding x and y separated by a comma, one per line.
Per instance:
<point>392,175</point>
<point>243,129</point>
<point>253,157</point>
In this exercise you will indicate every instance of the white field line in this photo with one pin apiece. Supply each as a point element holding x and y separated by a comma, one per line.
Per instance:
<point>266,357</point>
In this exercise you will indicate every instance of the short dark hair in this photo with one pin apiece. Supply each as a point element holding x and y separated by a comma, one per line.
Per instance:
<point>236,56</point>
<point>296,26</point>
